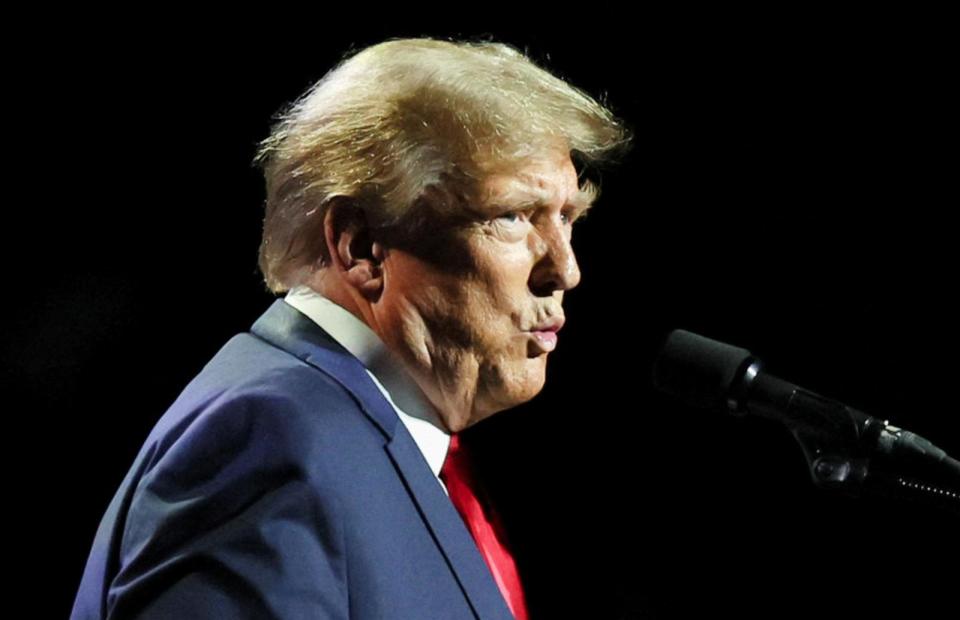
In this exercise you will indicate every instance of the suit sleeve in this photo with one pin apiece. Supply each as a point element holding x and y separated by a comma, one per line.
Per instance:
<point>231,520</point>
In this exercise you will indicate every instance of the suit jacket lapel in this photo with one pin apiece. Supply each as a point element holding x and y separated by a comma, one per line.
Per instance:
<point>286,327</point>
<point>448,529</point>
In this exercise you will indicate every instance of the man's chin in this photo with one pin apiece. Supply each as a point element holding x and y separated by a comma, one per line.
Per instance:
<point>533,381</point>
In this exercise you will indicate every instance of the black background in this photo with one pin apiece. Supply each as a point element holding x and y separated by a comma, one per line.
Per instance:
<point>789,191</point>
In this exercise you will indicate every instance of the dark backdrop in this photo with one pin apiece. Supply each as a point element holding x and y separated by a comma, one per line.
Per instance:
<point>788,192</point>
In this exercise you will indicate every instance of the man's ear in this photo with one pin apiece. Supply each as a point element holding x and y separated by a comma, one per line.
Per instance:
<point>354,253</point>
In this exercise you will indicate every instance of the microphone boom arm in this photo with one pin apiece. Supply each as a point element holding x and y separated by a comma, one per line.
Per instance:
<point>848,451</point>
<point>845,449</point>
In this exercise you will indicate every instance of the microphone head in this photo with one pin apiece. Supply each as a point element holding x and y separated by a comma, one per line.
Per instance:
<point>699,371</point>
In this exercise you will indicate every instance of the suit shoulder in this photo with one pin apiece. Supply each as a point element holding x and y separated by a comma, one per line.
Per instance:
<point>244,478</point>
<point>253,411</point>
<point>249,383</point>
<point>224,446</point>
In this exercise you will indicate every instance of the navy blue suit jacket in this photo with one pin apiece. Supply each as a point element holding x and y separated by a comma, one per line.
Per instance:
<point>282,484</point>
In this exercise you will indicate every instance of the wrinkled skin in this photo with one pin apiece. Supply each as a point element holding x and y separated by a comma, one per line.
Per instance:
<point>456,304</point>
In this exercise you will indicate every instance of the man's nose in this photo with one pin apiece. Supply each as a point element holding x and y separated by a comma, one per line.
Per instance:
<point>556,267</point>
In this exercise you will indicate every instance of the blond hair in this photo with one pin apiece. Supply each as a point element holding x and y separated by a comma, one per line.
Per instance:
<point>404,116</point>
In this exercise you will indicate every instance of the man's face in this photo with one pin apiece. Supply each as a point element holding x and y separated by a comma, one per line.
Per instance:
<point>462,306</point>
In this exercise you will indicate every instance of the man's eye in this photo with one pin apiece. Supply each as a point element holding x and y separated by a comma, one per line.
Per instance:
<point>512,216</point>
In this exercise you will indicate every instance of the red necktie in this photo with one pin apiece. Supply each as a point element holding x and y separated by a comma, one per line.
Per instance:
<point>484,525</point>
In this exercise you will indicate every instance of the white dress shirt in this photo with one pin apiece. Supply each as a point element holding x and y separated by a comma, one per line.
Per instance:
<point>400,390</point>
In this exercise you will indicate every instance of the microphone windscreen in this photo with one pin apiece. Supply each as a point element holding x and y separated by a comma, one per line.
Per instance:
<point>697,370</point>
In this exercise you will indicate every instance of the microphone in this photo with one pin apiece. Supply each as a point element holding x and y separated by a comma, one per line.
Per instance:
<point>843,445</point>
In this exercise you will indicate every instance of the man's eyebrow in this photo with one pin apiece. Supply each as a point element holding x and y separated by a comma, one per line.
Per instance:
<point>586,196</point>
<point>583,199</point>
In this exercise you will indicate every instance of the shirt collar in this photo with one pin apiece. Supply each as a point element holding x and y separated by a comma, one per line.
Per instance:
<point>400,390</point>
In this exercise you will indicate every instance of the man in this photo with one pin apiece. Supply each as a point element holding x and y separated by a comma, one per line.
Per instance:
<point>419,212</point>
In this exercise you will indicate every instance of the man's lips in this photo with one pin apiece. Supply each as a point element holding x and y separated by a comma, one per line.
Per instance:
<point>550,325</point>
<point>547,340</point>
<point>545,334</point>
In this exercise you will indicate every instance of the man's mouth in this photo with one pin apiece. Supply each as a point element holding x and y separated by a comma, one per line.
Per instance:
<point>546,339</point>
<point>545,334</point>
